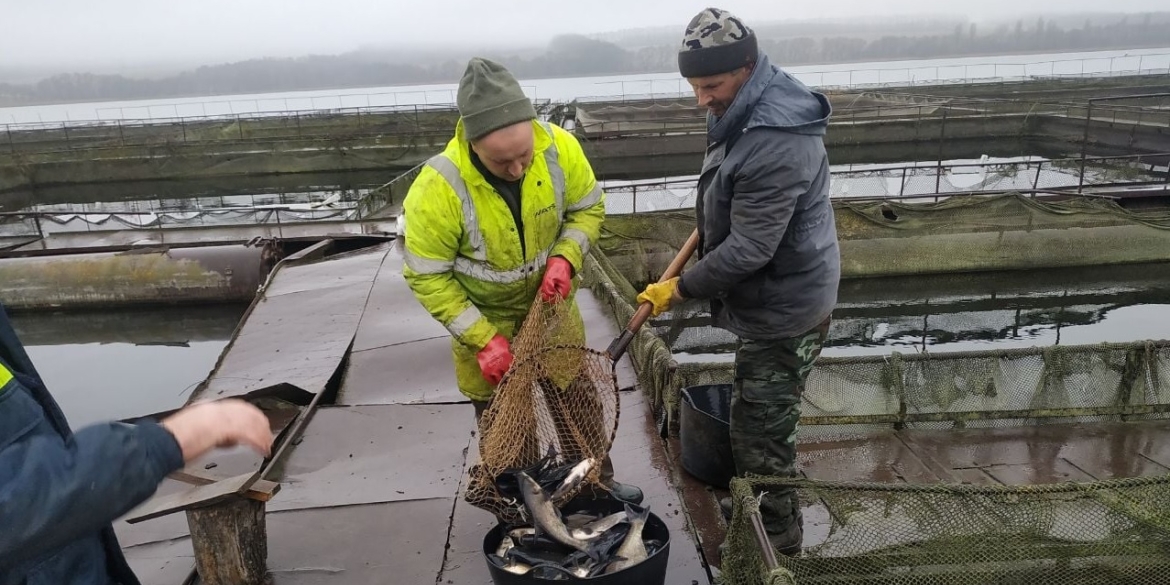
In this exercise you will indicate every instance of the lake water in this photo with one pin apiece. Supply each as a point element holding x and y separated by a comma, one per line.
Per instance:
<point>965,69</point>
<point>119,364</point>
<point>973,312</point>
<point>112,365</point>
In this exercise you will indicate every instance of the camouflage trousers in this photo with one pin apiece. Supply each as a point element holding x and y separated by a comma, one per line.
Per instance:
<point>765,412</point>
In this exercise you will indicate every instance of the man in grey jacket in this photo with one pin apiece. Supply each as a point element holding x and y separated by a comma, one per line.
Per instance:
<point>769,260</point>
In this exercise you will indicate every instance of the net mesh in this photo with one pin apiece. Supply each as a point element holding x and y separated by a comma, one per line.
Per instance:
<point>956,234</point>
<point>557,395</point>
<point>1110,531</point>
<point>915,532</point>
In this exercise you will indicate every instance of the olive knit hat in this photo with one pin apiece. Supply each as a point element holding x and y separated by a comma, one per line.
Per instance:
<point>490,98</point>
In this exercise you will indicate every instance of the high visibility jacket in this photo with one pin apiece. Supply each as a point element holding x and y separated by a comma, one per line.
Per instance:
<point>464,257</point>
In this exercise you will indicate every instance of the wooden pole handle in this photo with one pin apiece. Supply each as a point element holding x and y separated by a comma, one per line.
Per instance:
<point>619,345</point>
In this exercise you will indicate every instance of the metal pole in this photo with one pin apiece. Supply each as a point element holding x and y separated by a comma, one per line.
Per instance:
<point>1036,181</point>
<point>902,187</point>
<point>941,137</point>
<point>11,143</point>
<point>1085,144</point>
<point>121,136</point>
<point>763,542</point>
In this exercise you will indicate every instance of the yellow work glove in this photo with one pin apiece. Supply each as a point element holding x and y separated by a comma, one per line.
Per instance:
<point>660,294</point>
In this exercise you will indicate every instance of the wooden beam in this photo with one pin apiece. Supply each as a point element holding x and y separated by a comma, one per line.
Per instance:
<point>261,491</point>
<point>201,496</point>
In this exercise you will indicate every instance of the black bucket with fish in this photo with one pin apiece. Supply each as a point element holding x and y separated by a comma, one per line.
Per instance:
<point>651,571</point>
<point>705,433</point>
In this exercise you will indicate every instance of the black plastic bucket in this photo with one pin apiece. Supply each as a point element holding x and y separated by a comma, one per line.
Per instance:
<point>705,433</point>
<point>652,571</point>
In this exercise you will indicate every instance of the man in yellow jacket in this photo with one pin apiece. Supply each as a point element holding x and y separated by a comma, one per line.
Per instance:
<point>507,211</point>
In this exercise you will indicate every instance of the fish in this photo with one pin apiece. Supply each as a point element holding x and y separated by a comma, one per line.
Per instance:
<point>579,519</point>
<point>512,565</point>
<point>653,546</point>
<point>545,515</point>
<point>543,543</point>
<point>598,527</point>
<point>536,557</point>
<point>506,544</point>
<point>633,549</point>
<point>576,475</point>
<point>506,483</point>
<point>556,479</point>
<point>519,533</point>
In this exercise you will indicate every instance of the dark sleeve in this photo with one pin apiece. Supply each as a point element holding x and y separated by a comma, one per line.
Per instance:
<point>775,173</point>
<point>54,491</point>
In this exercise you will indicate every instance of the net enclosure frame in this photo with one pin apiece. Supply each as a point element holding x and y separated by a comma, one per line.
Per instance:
<point>1111,530</point>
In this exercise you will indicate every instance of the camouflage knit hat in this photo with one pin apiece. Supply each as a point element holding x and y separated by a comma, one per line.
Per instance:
<point>716,42</point>
<point>490,98</point>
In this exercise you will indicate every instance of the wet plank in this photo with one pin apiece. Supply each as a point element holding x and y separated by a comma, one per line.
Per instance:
<point>600,331</point>
<point>299,332</point>
<point>640,458</point>
<point>465,563</point>
<point>352,269</point>
<point>1137,449</point>
<point>399,542</point>
<point>1040,472</point>
<point>373,454</point>
<point>419,372</point>
<point>393,315</point>
<point>204,495</point>
<point>156,530</point>
<point>162,563</point>
<point>878,456</point>
<point>701,505</point>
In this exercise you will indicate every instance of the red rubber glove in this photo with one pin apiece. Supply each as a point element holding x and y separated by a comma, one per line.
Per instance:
<point>494,359</point>
<point>558,280</point>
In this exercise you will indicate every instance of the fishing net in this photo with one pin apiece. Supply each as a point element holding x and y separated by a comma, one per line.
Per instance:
<point>1109,531</point>
<point>558,395</point>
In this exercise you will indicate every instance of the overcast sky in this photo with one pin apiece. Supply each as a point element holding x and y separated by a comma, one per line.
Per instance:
<point>111,34</point>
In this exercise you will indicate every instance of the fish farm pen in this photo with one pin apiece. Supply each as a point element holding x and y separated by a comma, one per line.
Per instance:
<point>990,406</point>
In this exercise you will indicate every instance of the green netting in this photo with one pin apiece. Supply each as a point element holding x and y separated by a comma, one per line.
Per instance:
<point>926,390</point>
<point>1113,531</point>
<point>957,234</point>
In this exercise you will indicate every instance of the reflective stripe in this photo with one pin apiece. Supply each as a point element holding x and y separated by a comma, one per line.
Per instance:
<point>425,265</point>
<point>589,200</point>
<point>481,271</point>
<point>477,266</point>
<point>463,323</point>
<point>554,170</point>
<point>450,172</point>
<point>578,236</point>
<point>5,376</point>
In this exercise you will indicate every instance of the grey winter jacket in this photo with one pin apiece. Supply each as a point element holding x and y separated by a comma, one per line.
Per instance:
<point>769,258</point>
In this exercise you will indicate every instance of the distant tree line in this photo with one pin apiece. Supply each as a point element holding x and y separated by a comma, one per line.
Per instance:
<point>575,55</point>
